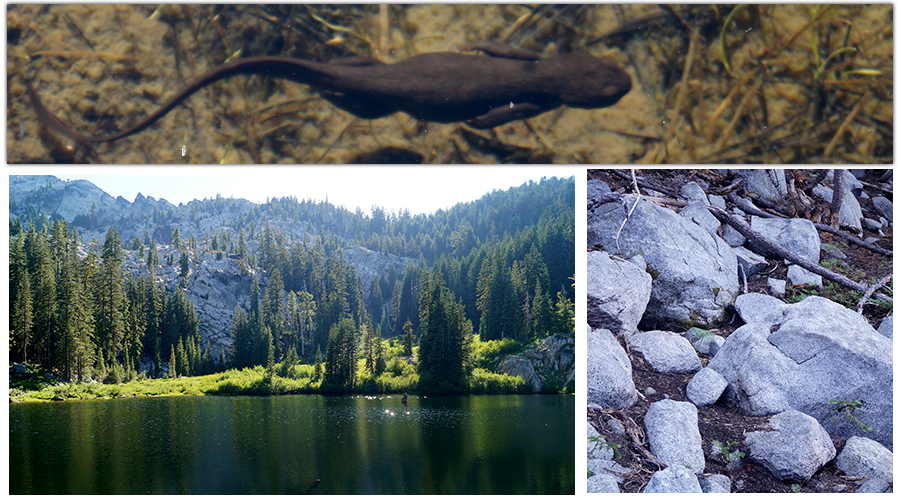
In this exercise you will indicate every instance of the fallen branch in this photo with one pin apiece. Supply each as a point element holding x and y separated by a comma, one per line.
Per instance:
<point>746,207</point>
<point>871,290</point>
<point>772,247</point>
<point>628,215</point>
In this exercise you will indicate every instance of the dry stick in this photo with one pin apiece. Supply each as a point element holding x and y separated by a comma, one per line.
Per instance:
<point>628,215</point>
<point>710,127</point>
<point>871,290</point>
<point>819,178</point>
<point>645,184</point>
<point>679,100</point>
<point>846,123</point>
<point>737,116</point>
<point>746,207</point>
<point>837,198</point>
<point>770,246</point>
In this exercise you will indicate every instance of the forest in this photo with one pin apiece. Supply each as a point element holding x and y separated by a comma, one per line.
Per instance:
<point>488,276</point>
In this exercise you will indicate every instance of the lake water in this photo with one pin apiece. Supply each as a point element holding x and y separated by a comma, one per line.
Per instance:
<point>294,445</point>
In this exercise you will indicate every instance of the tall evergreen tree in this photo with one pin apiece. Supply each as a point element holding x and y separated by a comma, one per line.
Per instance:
<point>340,363</point>
<point>109,297</point>
<point>445,342</point>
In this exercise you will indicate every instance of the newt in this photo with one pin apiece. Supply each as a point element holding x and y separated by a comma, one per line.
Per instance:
<point>444,87</point>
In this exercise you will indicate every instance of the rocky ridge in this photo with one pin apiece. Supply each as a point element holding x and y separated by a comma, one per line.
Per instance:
<point>216,284</point>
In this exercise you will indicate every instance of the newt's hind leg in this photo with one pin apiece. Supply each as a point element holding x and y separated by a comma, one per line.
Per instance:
<point>505,114</point>
<point>497,49</point>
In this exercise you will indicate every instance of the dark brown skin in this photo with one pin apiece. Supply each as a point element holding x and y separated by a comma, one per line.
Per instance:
<point>443,87</point>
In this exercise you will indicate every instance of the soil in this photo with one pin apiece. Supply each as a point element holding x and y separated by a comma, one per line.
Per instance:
<point>724,422</point>
<point>769,98</point>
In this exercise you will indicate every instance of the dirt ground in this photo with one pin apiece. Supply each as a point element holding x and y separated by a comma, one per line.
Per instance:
<point>723,421</point>
<point>768,83</point>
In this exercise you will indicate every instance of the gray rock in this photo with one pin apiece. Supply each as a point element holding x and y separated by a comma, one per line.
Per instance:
<point>759,308</point>
<point>666,352</point>
<point>832,252</point>
<point>886,327</point>
<point>733,237</point>
<point>777,287</point>
<point>716,483</point>
<point>551,359</point>
<point>600,466</point>
<point>596,188</point>
<point>693,192</point>
<point>884,207</point>
<point>609,382</point>
<point>19,369</point>
<point>798,235</point>
<point>694,273</point>
<point>602,483</point>
<point>865,457</point>
<point>615,427</point>
<point>649,391</point>
<point>768,183</point>
<point>753,263</point>
<point>870,224</point>
<point>709,345</point>
<point>786,358</point>
<point>617,292</point>
<point>851,212</point>
<point>674,436</point>
<point>674,479</point>
<point>697,212</point>
<point>518,366</point>
<point>792,447</point>
<point>596,445</point>
<point>717,201</point>
<point>875,485</point>
<point>706,387</point>
<point>851,183</point>
<point>798,276</point>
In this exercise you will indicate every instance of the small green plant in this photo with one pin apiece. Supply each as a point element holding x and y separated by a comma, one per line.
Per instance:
<point>605,444</point>
<point>795,488</point>
<point>725,450</point>
<point>848,408</point>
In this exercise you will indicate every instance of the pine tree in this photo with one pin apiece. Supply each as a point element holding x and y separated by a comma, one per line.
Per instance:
<point>318,363</point>
<point>445,342</point>
<point>563,318</point>
<point>407,338</point>
<point>173,363</point>
<point>109,296</point>
<point>340,364</point>
<point>21,310</point>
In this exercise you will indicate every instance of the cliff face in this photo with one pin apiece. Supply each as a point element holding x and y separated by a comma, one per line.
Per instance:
<point>548,367</point>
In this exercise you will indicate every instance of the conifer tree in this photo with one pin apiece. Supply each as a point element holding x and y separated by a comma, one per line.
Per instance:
<point>445,342</point>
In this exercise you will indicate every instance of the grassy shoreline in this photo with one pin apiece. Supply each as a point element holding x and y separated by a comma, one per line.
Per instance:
<point>250,381</point>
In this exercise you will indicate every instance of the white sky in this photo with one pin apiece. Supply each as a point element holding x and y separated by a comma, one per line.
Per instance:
<point>419,189</point>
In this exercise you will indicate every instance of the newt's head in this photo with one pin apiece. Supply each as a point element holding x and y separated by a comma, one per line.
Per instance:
<point>592,82</point>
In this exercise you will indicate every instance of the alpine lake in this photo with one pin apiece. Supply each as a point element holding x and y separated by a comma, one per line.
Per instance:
<point>305,444</point>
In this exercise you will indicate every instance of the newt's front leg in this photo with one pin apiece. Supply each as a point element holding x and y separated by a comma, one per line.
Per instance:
<point>505,114</point>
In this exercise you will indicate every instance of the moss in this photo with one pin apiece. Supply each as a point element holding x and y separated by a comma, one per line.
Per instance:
<point>652,272</point>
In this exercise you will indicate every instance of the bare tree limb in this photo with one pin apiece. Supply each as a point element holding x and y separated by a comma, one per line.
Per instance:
<point>773,247</point>
<point>837,198</point>
<point>746,207</point>
<point>628,215</point>
<point>871,290</point>
<point>819,178</point>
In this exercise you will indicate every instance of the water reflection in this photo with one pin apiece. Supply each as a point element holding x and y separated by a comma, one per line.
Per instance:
<point>295,445</point>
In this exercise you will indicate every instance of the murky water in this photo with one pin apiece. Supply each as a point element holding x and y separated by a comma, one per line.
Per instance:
<point>295,445</point>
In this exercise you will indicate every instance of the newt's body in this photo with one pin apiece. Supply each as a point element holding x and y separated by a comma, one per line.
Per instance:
<point>441,87</point>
